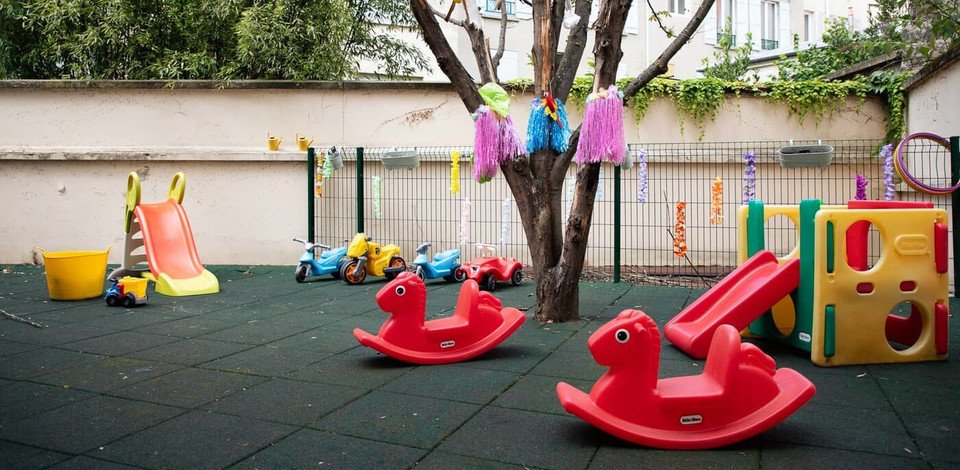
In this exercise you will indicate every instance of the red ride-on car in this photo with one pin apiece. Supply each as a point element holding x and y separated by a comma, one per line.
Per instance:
<point>488,270</point>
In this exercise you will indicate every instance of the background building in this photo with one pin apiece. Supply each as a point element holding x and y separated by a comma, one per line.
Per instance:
<point>772,24</point>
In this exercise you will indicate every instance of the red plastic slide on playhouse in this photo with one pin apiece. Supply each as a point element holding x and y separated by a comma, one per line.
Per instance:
<point>745,294</point>
<point>171,251</point>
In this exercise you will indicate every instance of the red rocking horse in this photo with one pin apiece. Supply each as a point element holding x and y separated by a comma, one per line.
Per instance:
<point>479,323</point>
<point>740,393</point>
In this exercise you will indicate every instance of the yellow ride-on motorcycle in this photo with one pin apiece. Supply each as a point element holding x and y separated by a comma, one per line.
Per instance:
<point>365,256</point>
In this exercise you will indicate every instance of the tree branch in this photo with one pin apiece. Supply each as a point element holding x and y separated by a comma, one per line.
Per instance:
<point>659,66</point>
<point>479,45</point>
<point>452,21</point>
<point>503,38</point>
<point>573,52</point>
<point>446,58</point>
<point>663,28</point>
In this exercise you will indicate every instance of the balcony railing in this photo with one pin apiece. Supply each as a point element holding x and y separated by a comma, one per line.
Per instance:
<point>769,44</point>
<point>727,37</point>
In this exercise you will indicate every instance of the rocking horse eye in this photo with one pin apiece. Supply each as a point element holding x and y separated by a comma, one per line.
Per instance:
<point>400,290</point>
<point>622,335</point>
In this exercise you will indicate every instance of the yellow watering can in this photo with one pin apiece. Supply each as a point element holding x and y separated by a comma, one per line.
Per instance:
<point>273,142</point>
<point>303,143</point>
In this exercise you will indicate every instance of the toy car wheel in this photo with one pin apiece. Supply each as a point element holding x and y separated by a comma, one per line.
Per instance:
<point>301,273</point>
<point>517,277</point>
<point>129,300</point>
<point>396,262</point>
<point>113,300</point>
<point>422,275</point>
<point>490,283</point>
<point>459,275</point>
<point>351,275</point>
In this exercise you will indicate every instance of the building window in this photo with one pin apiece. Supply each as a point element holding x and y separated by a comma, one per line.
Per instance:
<point>725,15</point>
<point>491,6</point>
<point>769,25</point>
<point>678,6</point>
<point>807,26</point>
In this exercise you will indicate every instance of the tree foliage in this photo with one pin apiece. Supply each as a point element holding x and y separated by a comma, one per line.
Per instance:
<point>214,39</point>
<point>730,62</point>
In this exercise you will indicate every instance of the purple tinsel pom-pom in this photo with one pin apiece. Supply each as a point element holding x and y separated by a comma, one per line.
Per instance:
<point>642,175</point>
<point>889,190</point>
<point>601,134</point>
<point>862,183</point>
<point>749,177</point>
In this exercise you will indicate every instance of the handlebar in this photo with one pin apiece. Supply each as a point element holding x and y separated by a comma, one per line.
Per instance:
<point>309,246</point>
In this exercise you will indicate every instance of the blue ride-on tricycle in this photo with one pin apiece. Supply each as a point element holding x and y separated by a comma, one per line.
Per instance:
<point>445,264</point>
<point>328,262</point>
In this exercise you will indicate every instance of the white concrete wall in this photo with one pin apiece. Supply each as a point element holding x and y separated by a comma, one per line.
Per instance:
<point>65,154</point>
<point>932,104</point>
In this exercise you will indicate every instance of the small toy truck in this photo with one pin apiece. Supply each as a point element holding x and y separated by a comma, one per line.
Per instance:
<point>127,291</point>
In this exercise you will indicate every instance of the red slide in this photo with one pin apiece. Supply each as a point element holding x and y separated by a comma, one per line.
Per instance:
<point>171,251</point>
<point>745,294</point>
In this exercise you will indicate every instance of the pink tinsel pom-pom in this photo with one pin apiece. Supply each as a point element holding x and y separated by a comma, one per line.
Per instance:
<point>511,144</point>
<point>601,134</point>
<point>486,144</point>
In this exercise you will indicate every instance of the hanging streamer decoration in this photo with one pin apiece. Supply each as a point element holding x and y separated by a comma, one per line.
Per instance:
<point>599,194</point>
<point>716,202</point>
<point>454,172</point>
<point>465,222</point>
<point>889,190</point>
<point>642,175</point>
<point>548,125</point>
<point>495,139</point>
<point>680,231</point>
<point>377,208</point>
<point>601,134</point>
<point>318,179</point>
<point>862,183</point>
<point>749,177</point>
<point>505,207</point>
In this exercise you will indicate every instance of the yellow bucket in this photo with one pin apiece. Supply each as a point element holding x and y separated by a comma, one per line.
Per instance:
<point>75,275</point>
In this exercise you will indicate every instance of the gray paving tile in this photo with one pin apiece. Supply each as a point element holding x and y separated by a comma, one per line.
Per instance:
<point>191,351</point>
<point>86,424</point>
<point>573,365</point>
<point>783,456</point>
<point>309,448</point>
<point>86,463</point>
<point>268,360</point>
<point>399,419</point>
<point>41,361</point>
<point>624,455</point>
<point>453,382</point>
<point>936,435</point>
<point>438,460</point>
<point>835,427</point>
<point>189,327</point>
<point>525,438</point>
<point>188,387</point>
<point>22,399</point>
<point>286,401</point>
<point>538,393</point>
<point>53,334</point>
<point>15,456</point>
<point>118,344</point>
<point>323,340</point>
<point>352,370</point>
<point>106,373</point>
<point>9,348</point>
<point>197,439</point>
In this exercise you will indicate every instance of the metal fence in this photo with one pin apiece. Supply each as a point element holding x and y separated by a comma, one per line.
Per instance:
<point>411,206</point>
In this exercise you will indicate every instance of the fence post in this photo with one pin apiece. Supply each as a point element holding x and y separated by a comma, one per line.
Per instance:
<point>359,189</point>
<point>955,210</point>
<point>311,183</point>
<point>616,223</point>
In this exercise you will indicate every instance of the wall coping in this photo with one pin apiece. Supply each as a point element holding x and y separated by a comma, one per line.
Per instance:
<point>213,154</point>
<point>224,85</point>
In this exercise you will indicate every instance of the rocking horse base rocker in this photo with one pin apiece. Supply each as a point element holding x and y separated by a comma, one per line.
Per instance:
<point>478,324</point>
<point>740,393</point>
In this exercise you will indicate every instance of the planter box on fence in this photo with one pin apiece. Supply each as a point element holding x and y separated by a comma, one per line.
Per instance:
<point>400,160</point>
<point>799,156</point>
